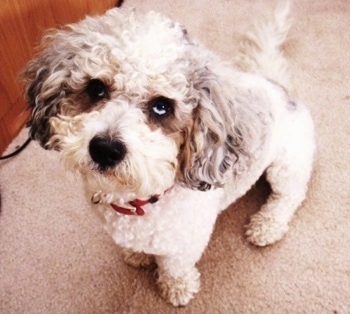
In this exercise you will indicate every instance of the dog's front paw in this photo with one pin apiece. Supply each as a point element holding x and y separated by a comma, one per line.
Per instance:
<point>139,260</point>
<point>265,229</point>
<point>179,291</point>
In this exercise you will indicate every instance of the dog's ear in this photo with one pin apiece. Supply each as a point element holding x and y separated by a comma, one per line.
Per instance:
<point>44,80</point>
<point>214,142</point>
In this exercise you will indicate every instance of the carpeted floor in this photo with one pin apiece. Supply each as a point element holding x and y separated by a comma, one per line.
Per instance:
<point>56,258</point>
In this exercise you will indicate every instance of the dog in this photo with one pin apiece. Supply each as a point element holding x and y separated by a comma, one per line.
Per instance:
<point>165,135</point>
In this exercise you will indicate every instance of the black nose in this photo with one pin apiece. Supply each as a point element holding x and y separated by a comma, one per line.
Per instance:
<point>106,152</point>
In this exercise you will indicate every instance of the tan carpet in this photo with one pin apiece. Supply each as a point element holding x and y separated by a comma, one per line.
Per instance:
<point>56,258</point>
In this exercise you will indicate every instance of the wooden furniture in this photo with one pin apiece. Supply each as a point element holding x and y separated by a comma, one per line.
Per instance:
<point>22,23</point>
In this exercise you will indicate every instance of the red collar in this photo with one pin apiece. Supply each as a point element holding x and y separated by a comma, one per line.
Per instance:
<point>136,206</point>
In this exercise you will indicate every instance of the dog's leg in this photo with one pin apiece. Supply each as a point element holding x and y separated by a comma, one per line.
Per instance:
<point>178,279</point>
<point>138,259</point>
<point>271,222</point>
<point>288,177</point>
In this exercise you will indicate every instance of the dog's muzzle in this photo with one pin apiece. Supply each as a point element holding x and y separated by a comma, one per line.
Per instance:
<point>106,152</point>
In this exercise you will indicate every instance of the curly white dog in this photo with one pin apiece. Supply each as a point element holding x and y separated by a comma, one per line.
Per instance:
<point>166,136</point>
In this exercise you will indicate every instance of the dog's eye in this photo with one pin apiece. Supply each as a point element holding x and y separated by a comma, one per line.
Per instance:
<point>96,90</point>
<point>161,106</point>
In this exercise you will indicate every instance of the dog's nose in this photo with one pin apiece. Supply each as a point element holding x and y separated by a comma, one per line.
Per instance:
<point>106,152</point>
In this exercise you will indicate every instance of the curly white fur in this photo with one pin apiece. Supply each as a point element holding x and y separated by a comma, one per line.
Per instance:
<point>177,122</point>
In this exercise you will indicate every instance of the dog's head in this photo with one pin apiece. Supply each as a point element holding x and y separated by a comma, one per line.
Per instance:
<point>132,104</point>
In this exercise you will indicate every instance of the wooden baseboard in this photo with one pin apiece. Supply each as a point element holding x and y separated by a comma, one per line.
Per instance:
<point>12,123</point>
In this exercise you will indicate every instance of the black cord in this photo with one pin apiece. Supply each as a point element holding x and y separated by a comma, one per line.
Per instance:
<point>119,3</point>
<point>18,150</point>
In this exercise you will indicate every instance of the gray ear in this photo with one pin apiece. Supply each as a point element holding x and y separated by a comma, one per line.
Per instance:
<point>214,143</point>
<point>44,91</point>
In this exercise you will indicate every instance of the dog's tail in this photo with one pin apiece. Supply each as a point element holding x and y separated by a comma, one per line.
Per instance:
<point>261,51</point>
